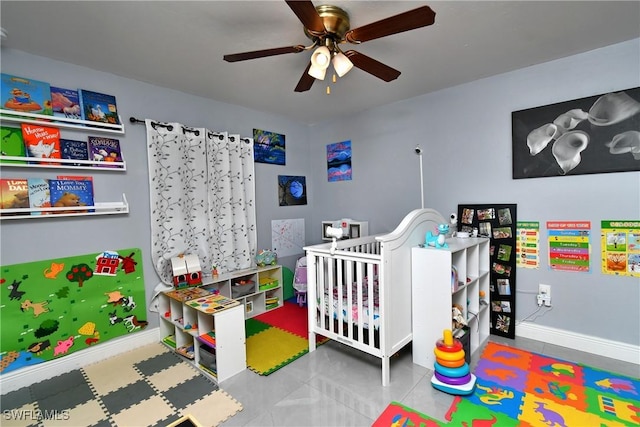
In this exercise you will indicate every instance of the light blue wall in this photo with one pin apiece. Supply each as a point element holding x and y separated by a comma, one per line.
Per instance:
<point>465,132</point>
<point>28,240</point>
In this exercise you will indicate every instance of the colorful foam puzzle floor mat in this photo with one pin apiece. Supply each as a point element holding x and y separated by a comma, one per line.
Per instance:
<point>277,338</point>
<point>518,388</point>
<point>148,386</point>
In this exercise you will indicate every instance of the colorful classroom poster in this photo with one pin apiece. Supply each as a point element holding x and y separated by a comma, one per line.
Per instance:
<point>569,247</point>
<point>620,243</point>
<point>528,244</point>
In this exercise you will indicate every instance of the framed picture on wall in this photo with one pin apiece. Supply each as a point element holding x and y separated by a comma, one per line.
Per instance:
<point>269,147</point>
<point>339,161</point>
<point>597,134</point>
<point>292,190</point>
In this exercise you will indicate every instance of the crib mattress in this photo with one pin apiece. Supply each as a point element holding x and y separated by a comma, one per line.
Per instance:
<point>341,313</point>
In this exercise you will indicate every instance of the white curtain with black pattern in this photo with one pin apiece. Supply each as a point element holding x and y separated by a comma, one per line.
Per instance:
<point>202,198</point>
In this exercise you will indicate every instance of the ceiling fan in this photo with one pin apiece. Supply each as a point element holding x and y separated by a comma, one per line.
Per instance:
<point>328,27</point>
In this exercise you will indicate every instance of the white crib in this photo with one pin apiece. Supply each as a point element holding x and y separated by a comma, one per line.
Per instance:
<point>366,282</point>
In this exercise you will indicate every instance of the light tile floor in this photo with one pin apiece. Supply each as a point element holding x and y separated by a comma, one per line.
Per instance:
<point>339,386</point>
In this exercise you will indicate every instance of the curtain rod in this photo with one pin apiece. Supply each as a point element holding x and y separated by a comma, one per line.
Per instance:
<point>184,128</point>
<point>134,120</point>
<point>156,123</point>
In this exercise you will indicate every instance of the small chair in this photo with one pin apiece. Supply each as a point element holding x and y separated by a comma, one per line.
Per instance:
<point>300,281</point>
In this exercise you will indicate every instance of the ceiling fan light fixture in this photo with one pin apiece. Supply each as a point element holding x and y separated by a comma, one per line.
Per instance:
<point>341,64</point>
<point>321,57</point>
<point>328,27</point>
<point>317,72</point>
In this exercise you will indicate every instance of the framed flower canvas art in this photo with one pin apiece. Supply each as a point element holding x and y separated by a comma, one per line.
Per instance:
<point>597,134</point>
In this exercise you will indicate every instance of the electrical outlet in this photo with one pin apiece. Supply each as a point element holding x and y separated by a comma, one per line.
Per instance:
<point>544,290</point>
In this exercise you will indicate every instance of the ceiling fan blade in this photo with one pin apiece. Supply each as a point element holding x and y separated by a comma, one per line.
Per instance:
<point>372,66</point>
<point>308,15</point>
<point>235,57</point>
<point>416,18</point>
<point>306,81</point>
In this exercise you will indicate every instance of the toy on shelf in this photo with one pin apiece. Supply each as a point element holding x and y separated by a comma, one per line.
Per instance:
<point>482,296</point>
<point>266,257</point>
<point>186,271</point>
<point>452,374</point>
<point>457,319</point>
<point>437,240</point>
<point>186,351</point>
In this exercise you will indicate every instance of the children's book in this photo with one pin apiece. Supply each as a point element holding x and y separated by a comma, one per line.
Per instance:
<point>98,107</point>
<point>41,141</point>
<point>76,177</point>
<point>65,103</point>
<point>39,196</point>
<point>14,194</point>
<point>71,193</point>
<point>11,144</point>
<point>105,150</point>
<point>74,149</point>
<point>25,95</point>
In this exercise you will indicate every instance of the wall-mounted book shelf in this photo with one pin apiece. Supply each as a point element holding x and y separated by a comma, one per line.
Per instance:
<point>37,162</point>
<point>61,122</point>
<point>100,208</point>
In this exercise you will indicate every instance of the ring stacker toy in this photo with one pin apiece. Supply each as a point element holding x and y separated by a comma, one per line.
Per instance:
<point>452,374</point>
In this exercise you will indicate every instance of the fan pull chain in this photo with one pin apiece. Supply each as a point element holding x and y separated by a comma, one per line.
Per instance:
<point>333,79</point>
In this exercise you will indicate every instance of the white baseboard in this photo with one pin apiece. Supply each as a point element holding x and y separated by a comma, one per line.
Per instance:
<point>602,347</point>
<point>28,375</point>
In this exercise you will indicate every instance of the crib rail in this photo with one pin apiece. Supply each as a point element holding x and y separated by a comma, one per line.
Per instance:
<point>343,284</point>
<point>360,247</point>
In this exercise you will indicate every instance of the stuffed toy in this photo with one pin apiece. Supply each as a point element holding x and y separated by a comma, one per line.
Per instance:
<point>458,320</point>
<point>437,240</point>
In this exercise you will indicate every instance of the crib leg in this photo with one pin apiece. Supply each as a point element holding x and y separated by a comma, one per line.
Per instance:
<point>312,341</point>
<point>385,371</point>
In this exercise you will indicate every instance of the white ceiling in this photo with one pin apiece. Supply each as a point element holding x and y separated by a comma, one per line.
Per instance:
<point>180,45</point>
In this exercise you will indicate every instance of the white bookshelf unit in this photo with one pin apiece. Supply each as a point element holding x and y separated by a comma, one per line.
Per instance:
<point>210,336</point>
<point>189,317</point>
<point>258,289</point>
<point>434,293</point>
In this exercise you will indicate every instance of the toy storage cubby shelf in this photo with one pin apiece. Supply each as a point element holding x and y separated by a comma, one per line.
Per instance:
<point>185,323</point>
<point>434,293</point>
<point>261,291</point>
<point>183,326</point>
<point>100,208</point>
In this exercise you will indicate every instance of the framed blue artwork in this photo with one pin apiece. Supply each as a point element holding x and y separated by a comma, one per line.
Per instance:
<point>339,161</point>
<point>292,190</point>
<point>268,147</point>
